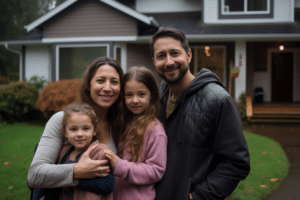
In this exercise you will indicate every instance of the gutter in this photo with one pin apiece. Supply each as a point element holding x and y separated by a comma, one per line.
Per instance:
<point>20,59</point>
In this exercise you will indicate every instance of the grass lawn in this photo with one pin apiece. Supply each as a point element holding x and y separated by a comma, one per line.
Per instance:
<point>17,143</point>
<point>269,164</point>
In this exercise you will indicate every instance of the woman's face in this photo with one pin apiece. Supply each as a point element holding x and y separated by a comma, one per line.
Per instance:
<point>105,86</point>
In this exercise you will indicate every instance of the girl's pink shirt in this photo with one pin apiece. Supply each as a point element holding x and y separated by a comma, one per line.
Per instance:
<point>137,180</point>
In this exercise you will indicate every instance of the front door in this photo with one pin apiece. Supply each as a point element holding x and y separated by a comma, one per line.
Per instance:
<point>282,77</point>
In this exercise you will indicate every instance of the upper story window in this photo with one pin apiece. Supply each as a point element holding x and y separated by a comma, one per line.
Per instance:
<point>241,9</point>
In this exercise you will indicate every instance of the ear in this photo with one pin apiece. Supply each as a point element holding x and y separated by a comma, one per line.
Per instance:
<point>189,54</point>
<point>95,133</point>
<point>66,135</point>
<point>153,60</point>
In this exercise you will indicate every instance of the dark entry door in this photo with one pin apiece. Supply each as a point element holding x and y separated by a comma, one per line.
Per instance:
<point>282,77</point>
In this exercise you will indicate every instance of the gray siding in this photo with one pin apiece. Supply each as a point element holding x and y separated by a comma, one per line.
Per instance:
<point>90,18</point>
<point>139,55</point>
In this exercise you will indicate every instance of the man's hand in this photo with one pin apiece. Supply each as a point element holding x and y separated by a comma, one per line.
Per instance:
<point>112,158</point>
<point>88,168</point>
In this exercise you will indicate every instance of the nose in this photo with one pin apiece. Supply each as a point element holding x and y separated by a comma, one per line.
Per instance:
<point>107,86</point>
<point>79,133</point>
<point>134,99</point>
<point>169,61</point>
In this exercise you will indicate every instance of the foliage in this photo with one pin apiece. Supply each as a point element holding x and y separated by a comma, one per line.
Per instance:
<point>4,80</point>
<point>14,15</point>
<point>57,95</point>
<point>269,166</point>
<point>16,99</point>
<point>38,82</point>
<point>17,143</point>
<point>242,104</point>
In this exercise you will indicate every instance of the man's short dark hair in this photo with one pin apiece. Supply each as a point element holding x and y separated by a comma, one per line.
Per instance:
<point>169,32</point>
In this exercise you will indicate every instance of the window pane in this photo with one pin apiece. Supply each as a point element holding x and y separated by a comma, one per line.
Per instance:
<point>73,61</point>
<point>212,58</point>
<point>234,5</point>
<point>257,5</point>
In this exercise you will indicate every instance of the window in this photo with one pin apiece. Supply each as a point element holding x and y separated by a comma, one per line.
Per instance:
<point>209,57</point>
<point>73,60</point>
<point>235,9</point>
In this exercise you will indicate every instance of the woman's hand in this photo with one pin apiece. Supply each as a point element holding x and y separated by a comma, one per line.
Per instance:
<point>112,158</point>
<point>88,168</point>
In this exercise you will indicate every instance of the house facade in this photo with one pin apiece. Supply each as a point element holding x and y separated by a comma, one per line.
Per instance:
<point>221,33</point>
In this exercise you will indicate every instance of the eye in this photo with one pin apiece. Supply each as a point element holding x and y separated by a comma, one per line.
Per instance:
<point>73,129</point>
<point>160,56</point>
<point>115,82</point>
<point>86,128</point>
<point>128,95</point>
<point>142,94</point>
<point>100,80</point>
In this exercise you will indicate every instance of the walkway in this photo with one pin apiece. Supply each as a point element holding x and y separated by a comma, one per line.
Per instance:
<point>288,136</point>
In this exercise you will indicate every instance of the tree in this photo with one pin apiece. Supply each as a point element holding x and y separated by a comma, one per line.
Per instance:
<point>14,15</point>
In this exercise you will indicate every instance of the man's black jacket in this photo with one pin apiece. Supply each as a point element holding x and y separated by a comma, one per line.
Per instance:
<point>207,150</point>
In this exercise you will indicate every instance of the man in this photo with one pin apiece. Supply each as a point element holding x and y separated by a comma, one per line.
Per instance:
<point>207,151</point>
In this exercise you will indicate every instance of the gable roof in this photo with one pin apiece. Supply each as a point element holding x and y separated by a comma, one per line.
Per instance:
<point>143,18</point>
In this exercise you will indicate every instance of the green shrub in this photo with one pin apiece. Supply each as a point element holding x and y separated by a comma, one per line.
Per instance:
<point>38,82</point>
<point>4,80</point>
<point>242,104</point>
<point>17,99</point>
<point>57,95</point>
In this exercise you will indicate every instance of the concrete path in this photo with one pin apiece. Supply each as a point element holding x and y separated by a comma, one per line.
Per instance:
<point>289,138</point>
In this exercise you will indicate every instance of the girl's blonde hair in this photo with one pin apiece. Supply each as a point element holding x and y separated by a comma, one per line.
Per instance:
<point>133,138</point>
<point>84,109</point>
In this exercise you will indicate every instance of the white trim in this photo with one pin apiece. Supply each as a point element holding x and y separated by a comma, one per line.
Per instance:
<point>49,15</point>
<point>89,39</point>
<point>131,12</point>
<point>123,47</point>
<point>245,12</point>
<point>74,46</point>
<point>114,4</point>
<point>22,42</point>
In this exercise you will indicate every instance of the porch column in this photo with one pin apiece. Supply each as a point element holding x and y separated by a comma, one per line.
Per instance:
<point>240,59</point>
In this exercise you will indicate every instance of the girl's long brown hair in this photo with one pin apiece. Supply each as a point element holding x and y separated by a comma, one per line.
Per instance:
<point>133,138</point>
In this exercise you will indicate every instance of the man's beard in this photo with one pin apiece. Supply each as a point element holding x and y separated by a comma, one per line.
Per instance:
<point>182,73</point>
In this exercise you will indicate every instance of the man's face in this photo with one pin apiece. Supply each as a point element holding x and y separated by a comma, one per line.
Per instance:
<point>170,59</point>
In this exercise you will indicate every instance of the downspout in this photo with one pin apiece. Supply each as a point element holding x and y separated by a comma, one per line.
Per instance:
<point>20,60</point>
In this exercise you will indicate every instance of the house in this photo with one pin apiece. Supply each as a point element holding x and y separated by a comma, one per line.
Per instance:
<point>248,33</point>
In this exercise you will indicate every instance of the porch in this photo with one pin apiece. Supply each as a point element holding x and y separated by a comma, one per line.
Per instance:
<point>278,112</point>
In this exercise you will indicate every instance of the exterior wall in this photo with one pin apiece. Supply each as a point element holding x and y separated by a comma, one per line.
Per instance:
<point>139,55</point>
<point>90,18</point>
<point>297,3</point>
<point>38,61</point>
<point>166,6</point>
<point>283,12</point>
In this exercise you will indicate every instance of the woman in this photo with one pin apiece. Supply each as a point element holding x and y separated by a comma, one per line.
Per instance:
<point>101,89</point>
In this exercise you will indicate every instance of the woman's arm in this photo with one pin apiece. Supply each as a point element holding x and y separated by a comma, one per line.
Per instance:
<point>43,172</point>
<point>153,169</point>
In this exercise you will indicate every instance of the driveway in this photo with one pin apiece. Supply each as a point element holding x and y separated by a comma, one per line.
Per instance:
<point>288,135</point>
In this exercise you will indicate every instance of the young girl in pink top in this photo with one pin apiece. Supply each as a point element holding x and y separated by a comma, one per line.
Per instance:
<point>141,159</point>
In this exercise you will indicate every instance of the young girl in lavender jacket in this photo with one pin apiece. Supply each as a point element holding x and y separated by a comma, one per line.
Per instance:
<point>142,150</point>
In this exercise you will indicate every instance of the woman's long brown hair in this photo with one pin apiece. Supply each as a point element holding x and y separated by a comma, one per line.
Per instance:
<point>132,139</point>
<point>116,111</point>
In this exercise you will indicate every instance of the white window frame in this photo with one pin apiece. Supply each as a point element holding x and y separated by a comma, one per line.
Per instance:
<point>225,9</point>
<point>75,46</point>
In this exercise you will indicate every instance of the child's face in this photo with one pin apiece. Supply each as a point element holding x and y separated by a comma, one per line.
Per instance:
<point>80,131</point>
<point>137,96</point>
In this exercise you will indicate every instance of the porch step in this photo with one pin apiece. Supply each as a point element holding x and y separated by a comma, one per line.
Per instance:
<point>275,115</point>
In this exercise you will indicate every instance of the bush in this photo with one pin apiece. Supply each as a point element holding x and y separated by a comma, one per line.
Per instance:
<point>17,99</point>
<point>57,95</point>
<point>242,104</point>
<point>38,82</point>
